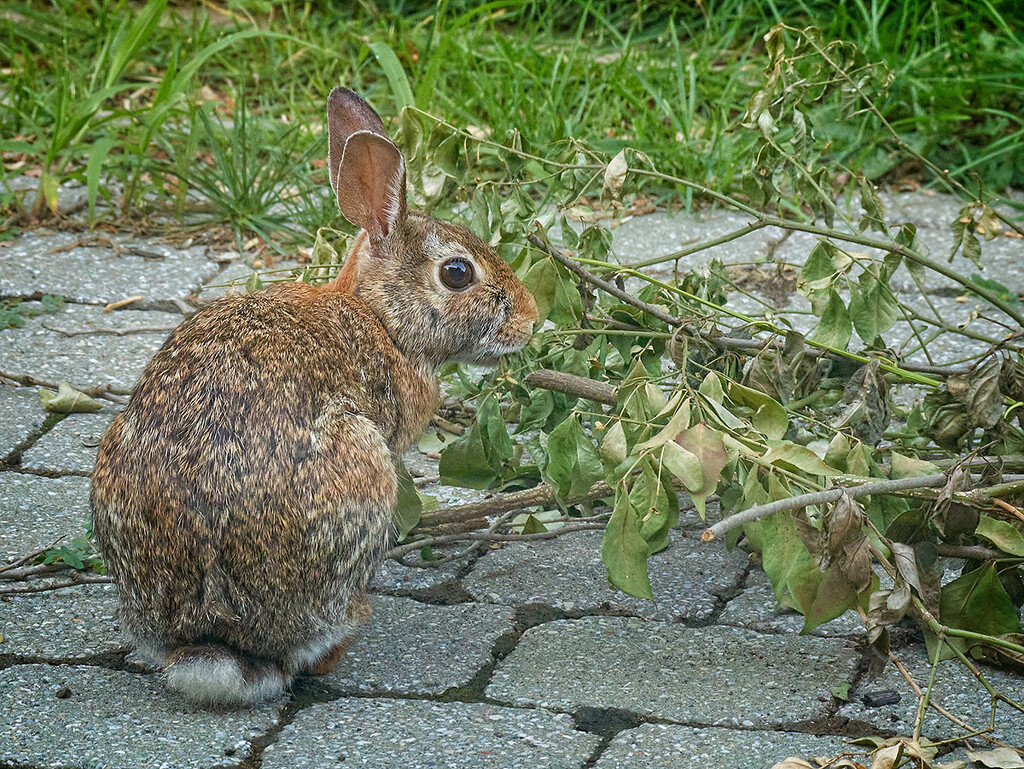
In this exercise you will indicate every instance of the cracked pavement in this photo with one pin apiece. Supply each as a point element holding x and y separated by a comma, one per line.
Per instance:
<point>522,656</point>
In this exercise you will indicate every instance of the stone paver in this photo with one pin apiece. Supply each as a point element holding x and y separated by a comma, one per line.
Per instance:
<point>421,735</point>
<point>21,415</point>
<point>666,746</point>
<point>414,648</point>
<point>955,689</point>
<point>38,511</point>
<point>60,625</point>
<point>93,717</point>
<point>755,608</point>
<point>94,273</point>
<point>568,574</point>
<point>44,350</point>
<point>70,447</point>
<point>713,676</point>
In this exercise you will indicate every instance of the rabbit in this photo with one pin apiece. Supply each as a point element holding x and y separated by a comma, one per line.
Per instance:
<point>244,498</point>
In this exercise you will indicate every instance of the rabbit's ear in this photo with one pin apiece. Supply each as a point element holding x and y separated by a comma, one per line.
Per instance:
<point>367,171</point>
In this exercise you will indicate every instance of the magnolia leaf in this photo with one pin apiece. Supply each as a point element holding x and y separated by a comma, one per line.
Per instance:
<point>910,467</point>
<point>708,446</point>
<point>613,447</point>
<point>409,505</point>
<point>615,176</point>
<point>573,462</point>
<point>1002,534</point>
<point>800,457</point>
<point>978,602</point>
<point>67,400</point>
<point>541,280</point>
<point>680,421</point>
<point>998,758</point>
<point>793,763</point>
<point>865,404</point>
<point>834,329</point>
<point>684,465</point>
<point>464,462</point>
<point>769,418</point>
<point>623,550</point>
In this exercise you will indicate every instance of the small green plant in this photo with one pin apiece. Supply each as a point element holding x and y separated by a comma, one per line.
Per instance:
<point>14,313</point>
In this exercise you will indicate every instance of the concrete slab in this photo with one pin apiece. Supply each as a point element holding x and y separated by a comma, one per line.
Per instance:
<point>567,573</point>
<point>414,648</point>
<point>92,717</point>
<point>419,735</point>
<point>42,263</point>
<point>956,689</point>
<point>84,360</point>
<point>21,415</point>
<point>37,511</point>
<point>395,579</point>
<point>66,625</point>
<point>716,676</point>
<point>666,746</point>
<point>70,447</point>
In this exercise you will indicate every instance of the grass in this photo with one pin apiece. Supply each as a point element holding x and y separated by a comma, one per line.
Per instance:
<point>195,115</point>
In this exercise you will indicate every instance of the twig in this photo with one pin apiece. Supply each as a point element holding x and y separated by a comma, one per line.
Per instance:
<point>98,580</point>
<point>820,498</point>
<point>38,570</point>
<point>106,392</point>
<point>444,424</point>
<point>570,384</point>
<point>486,536</point>
<point>938,708</point>
<point>542,494</point>
<point>34,554</point>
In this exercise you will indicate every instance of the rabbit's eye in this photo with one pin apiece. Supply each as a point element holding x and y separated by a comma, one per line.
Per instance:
<point>456,273</point>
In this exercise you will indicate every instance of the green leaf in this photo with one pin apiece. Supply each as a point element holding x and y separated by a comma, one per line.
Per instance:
<point>409,506</point>
<point>978,602</point>
<point>574,464</point>
<point>541,280</point>
<point>834,329</point>
<point>799,457</point>
<point>464,462</point>
<point>67,400</point>
<point>769,418</point>
<point>787,562</point>
<point>910,467</point>
<point>623,550</point>
<point>657,511</point>
<point>873,308</point>
<point>1002,534</point>
<point>708,446</point>
<point>395,74</point>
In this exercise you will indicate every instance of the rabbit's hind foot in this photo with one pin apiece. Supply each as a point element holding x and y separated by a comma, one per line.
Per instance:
<point>213,674</point>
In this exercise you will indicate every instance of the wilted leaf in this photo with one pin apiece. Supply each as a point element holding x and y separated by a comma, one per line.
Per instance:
<point>613,447</point>
<point>999,758</point>
<point>865,404</point>
<point>67,400</point>
<point>910,467</point>
<point>799,457</point>
<point>615,175</point>
<point>769,417</point>
<point>976,601</point>
<point>623,550</point>
<point>873,308</point>
<point>793,763</point>
<point>834,329</point>
<point>708,446</point>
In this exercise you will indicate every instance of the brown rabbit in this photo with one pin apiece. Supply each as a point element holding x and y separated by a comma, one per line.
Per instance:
<point>244,498</point>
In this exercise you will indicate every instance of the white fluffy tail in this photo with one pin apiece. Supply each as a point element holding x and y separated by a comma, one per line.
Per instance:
<point>214,674</point>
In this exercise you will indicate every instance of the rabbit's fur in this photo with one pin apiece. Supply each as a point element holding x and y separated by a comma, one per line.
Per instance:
<point>244,498</point>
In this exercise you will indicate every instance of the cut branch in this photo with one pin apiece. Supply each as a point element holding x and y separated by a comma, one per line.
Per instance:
<point>570,384</point>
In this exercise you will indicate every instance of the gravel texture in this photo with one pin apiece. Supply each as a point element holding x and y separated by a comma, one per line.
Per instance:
<point>714,676</point>
<point>419,735</point>
<point>414,648</point>
<point>567,573</point>
<point>21,415</point>
<point>36,512</point>
<point>92,717</point>
<point>70,447</point>
<point>665,746</point>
